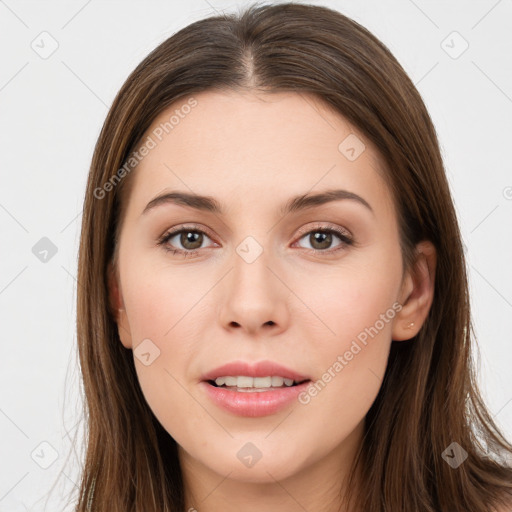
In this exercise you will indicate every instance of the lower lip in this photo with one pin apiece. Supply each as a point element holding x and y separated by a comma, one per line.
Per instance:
<point>256,403</point>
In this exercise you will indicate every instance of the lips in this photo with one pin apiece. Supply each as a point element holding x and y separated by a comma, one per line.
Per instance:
<point>259,369</point>
<point>256,404</point>
<point>253,402</point>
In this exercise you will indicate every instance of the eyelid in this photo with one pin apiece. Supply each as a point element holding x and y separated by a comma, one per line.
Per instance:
<point>343,234</point>
<point>321,226</point>
<point>186,227</point>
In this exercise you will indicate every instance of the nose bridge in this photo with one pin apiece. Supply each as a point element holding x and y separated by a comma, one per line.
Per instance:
<point>252,295</point>
<point>251,278</point>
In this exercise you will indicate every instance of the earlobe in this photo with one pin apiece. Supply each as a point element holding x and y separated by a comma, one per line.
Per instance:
<point>417,293</point>
<point>116,306</point>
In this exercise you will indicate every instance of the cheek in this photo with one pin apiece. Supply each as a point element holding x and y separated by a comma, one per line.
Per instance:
<point>357,307</point>
<point>351,299</point>
<point>160,308</point>
<point>159,300</point>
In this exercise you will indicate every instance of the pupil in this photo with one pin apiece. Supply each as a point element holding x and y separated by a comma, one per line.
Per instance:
<point>191,237</point>
<point>325,240</point>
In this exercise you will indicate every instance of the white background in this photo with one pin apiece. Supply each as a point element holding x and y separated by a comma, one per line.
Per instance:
<point>51,114</point>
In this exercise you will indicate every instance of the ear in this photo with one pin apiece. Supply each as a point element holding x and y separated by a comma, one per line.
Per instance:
<point>116,304</point>
<point>416,294</point>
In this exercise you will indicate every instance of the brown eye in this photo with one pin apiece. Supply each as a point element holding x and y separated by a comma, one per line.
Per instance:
<point>322,239</point>
<point>185,240</point>
<point>188,241</point>
<point>191,240</point>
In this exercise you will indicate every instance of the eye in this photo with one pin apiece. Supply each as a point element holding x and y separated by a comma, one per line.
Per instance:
<point>321,239</point>
<point>189,238</point>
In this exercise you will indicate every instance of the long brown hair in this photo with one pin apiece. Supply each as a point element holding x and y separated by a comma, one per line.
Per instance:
<point>429,397</point>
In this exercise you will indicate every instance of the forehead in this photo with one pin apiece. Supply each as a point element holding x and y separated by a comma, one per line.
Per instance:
<point>250,146</point>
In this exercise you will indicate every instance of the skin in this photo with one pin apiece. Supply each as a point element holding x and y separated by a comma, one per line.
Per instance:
<point>252,153</point>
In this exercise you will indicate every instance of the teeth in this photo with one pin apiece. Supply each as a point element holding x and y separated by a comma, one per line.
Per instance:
<point>277,382</point>
<point>253,382</point>
<point>261,382</point>
<point>244,382</point>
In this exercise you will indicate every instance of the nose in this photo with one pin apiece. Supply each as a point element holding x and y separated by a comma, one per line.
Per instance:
<point>253,298</point>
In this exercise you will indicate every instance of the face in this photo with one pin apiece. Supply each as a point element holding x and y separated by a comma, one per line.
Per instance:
<point>316,288</point>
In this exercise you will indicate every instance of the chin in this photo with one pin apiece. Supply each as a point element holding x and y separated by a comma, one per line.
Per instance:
<point>243,462</point>
<point>260,473</point>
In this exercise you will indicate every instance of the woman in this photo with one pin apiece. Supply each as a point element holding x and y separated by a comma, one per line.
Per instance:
<point>273,310</point>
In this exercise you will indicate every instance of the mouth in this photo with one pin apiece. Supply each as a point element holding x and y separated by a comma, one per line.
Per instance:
<point>246,384</point>
<point>254,389</point>
<point>249,397</point>
<point>263,374</point>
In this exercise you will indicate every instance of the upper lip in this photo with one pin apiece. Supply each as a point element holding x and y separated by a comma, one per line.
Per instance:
<point>259,369</point>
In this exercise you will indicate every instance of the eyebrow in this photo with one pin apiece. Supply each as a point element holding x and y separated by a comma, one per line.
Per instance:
<point>297,203</point>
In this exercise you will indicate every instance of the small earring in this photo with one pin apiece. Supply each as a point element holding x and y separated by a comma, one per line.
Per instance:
<point>410,326</point>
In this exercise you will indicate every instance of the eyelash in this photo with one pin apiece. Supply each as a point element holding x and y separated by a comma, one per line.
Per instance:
<point>346,240</point>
